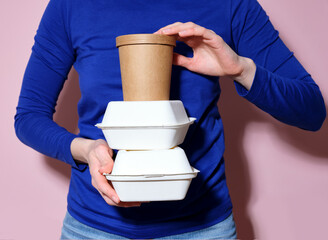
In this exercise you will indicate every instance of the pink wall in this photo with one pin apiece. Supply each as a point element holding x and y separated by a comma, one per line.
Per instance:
<point>277,174</point>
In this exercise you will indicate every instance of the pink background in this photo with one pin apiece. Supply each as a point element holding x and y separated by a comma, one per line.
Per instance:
<point>278,175</point>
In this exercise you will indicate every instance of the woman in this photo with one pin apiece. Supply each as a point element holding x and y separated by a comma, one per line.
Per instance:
<point>242,45</point>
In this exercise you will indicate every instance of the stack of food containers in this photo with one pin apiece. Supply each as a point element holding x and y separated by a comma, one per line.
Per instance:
<point>147,127</point>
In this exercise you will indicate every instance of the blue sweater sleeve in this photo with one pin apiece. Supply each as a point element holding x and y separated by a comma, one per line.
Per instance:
<point>281,85</point>
<point>51,59</point>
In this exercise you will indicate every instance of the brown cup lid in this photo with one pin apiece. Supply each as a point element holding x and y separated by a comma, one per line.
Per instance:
<point>145,39</point>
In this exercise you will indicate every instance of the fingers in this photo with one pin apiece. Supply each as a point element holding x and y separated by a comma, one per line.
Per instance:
<point>121,204</point>
<point>175,28</point>
<point>189,29</point>
<point>103,153</point>
<point>108,193</point>
<point>105,188</point>
<point>100,161</point>
<point>160,31</point>
<point>181,60</point>
<point>106,167</point>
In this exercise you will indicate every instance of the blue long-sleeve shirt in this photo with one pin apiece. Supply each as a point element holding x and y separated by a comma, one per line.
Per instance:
<point>82,33</point>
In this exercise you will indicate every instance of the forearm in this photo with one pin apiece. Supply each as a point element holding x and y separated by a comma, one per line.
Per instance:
<point>39,131</point>
<point>294,101</point>
<point>281,86</point>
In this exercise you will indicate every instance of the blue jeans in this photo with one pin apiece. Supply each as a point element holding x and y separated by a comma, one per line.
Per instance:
<point>73,229</point>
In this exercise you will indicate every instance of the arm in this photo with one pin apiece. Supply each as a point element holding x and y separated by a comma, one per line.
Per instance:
<point>281,87</point>
<point>51,59</point>
<point>212,56</point>
<point>265,71</point>
<point>99,156</point>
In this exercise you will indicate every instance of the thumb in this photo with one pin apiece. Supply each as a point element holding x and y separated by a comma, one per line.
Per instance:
<point>181,60</point>
<point>106,168</point>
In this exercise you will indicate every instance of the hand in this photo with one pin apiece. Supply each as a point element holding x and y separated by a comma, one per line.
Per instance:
<point>99,155</point>
<point>212,56</point>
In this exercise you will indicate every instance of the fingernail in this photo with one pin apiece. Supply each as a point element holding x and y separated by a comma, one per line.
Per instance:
<point>166,30</point>
<point>182,32</point>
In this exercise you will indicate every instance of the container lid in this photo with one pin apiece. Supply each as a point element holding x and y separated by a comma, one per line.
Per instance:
<point>144,113</point>
<point>145,162</point>
<point>131,39</point>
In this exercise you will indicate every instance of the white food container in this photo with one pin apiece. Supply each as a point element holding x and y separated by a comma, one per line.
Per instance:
<point>152,187</point>
<point>145,137</point>
<point>168,161</point>
<point>144,125</point>
<point>144,113</point>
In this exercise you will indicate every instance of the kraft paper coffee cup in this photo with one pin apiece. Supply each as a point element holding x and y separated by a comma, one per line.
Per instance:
<point>146,66</point>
